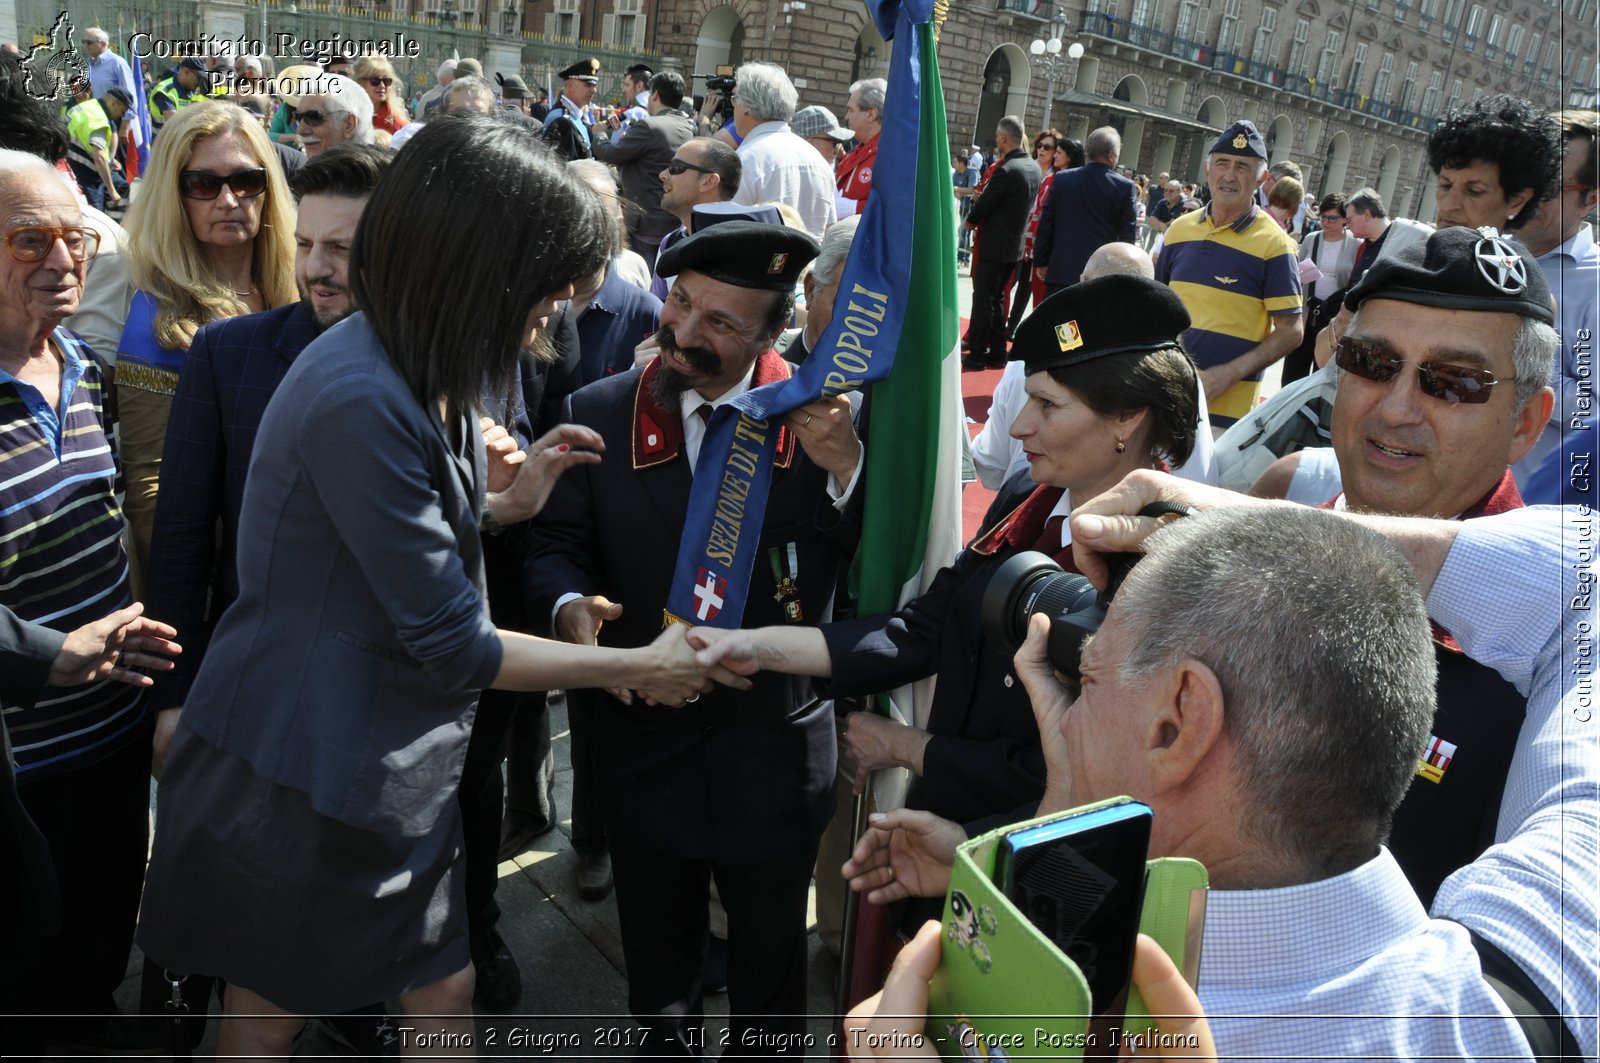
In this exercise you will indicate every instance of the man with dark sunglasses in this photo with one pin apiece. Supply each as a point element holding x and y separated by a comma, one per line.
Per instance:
<point>339,113</point>
<point>703,170</point>
<point>1442,387</point>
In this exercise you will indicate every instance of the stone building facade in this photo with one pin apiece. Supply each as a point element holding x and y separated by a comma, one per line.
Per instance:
<point>1349,91</point>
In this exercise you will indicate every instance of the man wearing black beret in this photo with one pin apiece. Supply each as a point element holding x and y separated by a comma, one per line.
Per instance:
<point>1237,271</point>
<point>738,785</point>
<point>1441,389</point>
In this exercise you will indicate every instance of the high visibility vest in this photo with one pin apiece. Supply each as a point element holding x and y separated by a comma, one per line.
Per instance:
<point>83,121</point>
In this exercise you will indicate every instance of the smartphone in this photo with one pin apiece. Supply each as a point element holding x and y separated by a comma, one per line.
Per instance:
<point>1080,880</point>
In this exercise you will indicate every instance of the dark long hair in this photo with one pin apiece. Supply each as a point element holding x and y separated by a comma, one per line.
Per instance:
<point>472,225</point>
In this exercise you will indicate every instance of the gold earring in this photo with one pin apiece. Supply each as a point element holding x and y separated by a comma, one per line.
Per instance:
<point>1121,446</point>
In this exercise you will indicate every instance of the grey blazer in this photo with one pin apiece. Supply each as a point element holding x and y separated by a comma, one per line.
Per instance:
<point>350,664</point>
<point>1312,243</point>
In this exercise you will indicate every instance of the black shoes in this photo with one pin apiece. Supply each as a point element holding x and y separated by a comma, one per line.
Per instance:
<point>594,875</point>
<point>499,980</point>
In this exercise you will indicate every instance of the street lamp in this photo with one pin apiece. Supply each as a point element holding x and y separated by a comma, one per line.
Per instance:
<point>1049,60</point>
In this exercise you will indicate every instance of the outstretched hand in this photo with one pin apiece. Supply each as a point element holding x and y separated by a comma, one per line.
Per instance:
<point>905,853</point>
<point>889,1024</point>
<point>735,649</point>
<point>681,678</point>
<point>112,647</point>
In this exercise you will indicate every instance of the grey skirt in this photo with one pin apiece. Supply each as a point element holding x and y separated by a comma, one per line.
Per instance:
<point>249,884</point>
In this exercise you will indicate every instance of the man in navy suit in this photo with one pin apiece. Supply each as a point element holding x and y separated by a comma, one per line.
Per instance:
<point>738,785</point>
<point>1089,206</point>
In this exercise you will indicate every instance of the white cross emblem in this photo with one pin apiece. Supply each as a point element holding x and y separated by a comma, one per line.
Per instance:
<point>708,603</point>
<point>1500,265</point>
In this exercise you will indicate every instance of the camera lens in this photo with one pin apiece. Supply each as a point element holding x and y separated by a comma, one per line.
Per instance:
<point>1031,583</point>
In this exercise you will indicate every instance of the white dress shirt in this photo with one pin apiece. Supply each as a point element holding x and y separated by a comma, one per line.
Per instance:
<point>779,167</point>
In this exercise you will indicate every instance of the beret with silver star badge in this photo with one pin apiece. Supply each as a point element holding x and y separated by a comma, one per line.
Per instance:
<point>1109,315</point>
<point>1460,269</point>
<point>746,254</point>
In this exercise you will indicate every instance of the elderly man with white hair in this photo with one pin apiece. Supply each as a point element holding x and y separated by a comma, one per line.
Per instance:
<point>107,69</point>
<point>779,167</point>
<point>337,112</point>
<point>432,99</point>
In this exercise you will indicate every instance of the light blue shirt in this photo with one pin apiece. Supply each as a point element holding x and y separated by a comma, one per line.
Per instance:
<point>1352,967</point>
<point>1569,442</point>
<point>109,70</point>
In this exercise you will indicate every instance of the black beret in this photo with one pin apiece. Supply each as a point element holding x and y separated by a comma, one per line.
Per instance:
<point>1460,269</point>
<point>194,63</point>
<point>1113,314</point>
<point>119,94</point>
<point>584,70</point>
<point>1241,138</point>
<point>746,254</point>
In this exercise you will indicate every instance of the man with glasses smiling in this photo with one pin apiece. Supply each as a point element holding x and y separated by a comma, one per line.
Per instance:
<point>703,170</point>
<point>340,113</point>
<point>81,754</point>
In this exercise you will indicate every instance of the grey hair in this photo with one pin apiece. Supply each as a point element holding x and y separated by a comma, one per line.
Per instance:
<point>1367,201</point>
<point>1013,127</point>
<point>17,165</point>
<point>1102,144</point>
<point>344,96</point>
<point>95,33</point>
<point>1328,689</point>
<point>872,92</point>
<point>1287,168</point>
<point>835,249</point>
<point>1533,354</point>
<point>477,88</point>
<point>766,91</point>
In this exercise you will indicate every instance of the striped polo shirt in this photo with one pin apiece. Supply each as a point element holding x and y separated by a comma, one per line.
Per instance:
<point>62,562</point>
<point>1232,279</point>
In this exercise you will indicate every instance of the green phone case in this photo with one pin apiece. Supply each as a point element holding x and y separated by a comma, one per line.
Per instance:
<point>1003,991</point>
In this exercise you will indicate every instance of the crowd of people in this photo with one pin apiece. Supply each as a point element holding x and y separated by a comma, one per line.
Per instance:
<point>368,424</point>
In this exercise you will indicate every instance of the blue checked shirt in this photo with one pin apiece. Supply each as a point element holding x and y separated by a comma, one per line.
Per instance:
<point>1352,967</point>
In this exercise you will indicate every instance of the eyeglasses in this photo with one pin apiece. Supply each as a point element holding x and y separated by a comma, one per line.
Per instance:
<point>203,184</point>
<point>376,82</point>
<point>33,243</point>
<point>311,117</point>
<point>1577,188</point>
<point>677,166</point>
<point>1329,219</point>
<point>1452,383</point>
<point>1045,147</point>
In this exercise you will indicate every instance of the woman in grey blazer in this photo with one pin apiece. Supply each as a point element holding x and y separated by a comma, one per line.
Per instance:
<point>308,842</point>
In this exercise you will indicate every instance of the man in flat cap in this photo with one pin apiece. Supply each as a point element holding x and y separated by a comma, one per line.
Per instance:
<point>1237,272</point>
<point>567,127</point>
<point>738,785</point>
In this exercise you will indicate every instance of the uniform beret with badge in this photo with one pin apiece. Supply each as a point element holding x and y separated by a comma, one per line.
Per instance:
<point>745,254</point>
<point>1241,138</point>
<point>1460,269</point>
<point>1114,314</point>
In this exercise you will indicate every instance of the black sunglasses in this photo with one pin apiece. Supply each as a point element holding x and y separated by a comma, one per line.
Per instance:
<point>375,82</point>
<point>312,117</point>
<point>677,166</point>
<point>203,184</point>
<point>1441,380</point>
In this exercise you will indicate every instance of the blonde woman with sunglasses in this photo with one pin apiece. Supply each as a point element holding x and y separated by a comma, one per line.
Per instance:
<point>210,237</point>
<point>375,74</point>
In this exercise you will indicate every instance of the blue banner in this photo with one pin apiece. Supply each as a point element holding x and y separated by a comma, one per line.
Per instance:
<point>727,504</point>
<point>141,110</point>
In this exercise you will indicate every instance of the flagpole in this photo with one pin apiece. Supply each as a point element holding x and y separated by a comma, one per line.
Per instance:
<point>852,905</point>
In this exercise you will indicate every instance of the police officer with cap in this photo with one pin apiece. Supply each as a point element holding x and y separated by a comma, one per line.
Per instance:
<point>738,785</point>
<point>186,85</point>
<point>1442,388</point>
<point>568,127</point>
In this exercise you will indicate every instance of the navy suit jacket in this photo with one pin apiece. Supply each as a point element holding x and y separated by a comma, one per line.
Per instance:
<point>1088,207</point>
<point>232,369</point>
<point>741,777</point>
<point>611,326</point>
<point>350,664</point>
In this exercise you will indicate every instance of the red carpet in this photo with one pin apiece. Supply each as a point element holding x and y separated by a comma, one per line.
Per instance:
<point>976,390</point>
